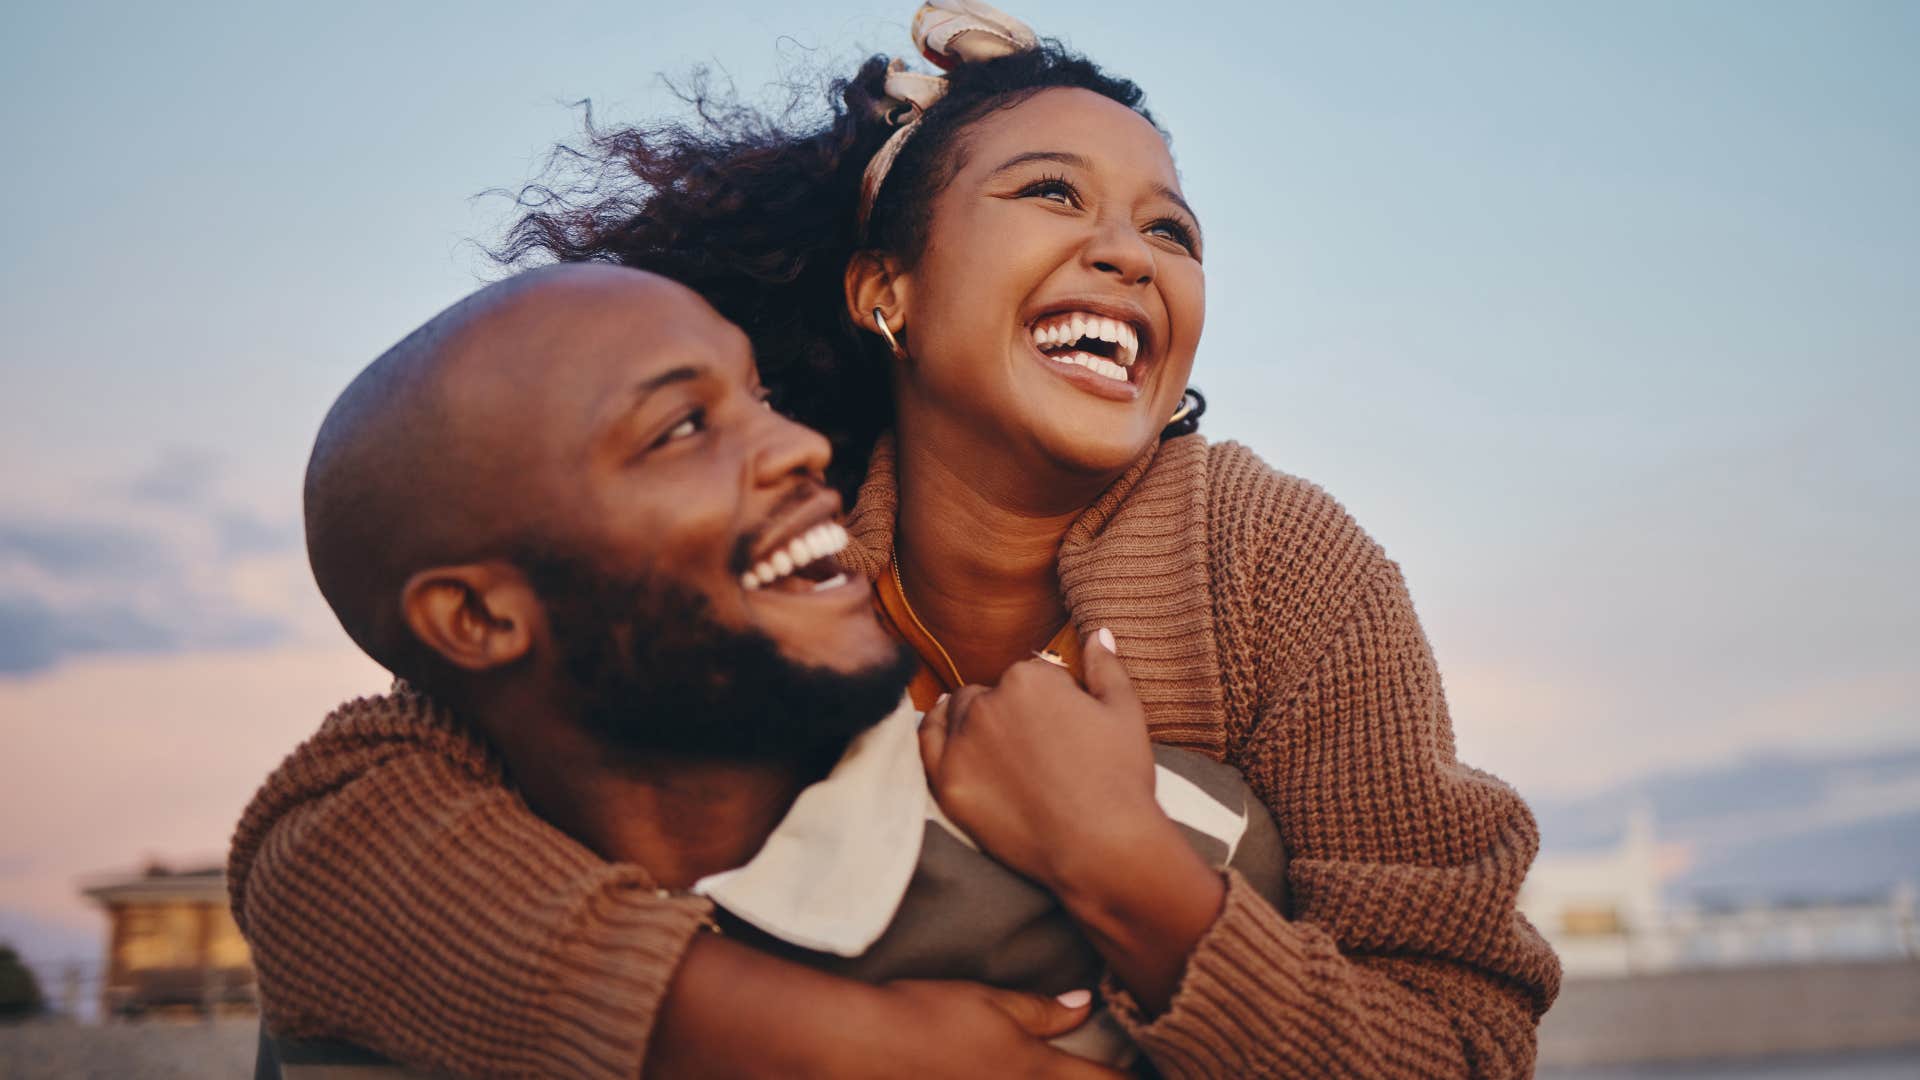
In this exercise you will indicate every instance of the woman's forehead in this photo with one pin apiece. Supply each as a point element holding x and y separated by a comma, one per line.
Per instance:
<point>1068,121</point>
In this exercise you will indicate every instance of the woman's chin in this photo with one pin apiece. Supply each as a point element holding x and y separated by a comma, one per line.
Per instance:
<point>1095,446</point>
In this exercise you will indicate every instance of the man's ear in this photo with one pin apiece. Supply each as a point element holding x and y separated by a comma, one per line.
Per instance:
<point>477,616</point>
<point>874,280</point>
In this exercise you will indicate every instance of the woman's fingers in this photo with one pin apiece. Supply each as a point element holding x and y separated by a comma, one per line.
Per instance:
<point>1043,1016</point>
<point>1106,676</point>
<point>933,735</point>
<point>942,723</point>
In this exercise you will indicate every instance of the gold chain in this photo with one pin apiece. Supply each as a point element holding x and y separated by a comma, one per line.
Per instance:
<point>953,669</point>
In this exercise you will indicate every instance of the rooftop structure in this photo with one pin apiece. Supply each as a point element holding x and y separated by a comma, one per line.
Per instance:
<point>173,945</point>
<point>1606,913</point>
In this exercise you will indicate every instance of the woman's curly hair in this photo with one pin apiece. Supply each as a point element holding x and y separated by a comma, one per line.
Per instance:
<point>761,219</point>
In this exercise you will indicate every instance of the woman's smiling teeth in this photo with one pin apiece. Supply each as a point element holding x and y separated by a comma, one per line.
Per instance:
<point>1101,345</point>
<point>806,552</point>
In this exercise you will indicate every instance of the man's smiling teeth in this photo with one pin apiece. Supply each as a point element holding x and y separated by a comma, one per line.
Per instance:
<point>1070,331</point>
<point>809,547</point>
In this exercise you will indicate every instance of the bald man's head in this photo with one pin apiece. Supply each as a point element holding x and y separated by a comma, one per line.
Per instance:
<point>442,451</point>
<point>568,488</point>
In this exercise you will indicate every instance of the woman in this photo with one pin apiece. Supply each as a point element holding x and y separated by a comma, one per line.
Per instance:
<point>991,300</point>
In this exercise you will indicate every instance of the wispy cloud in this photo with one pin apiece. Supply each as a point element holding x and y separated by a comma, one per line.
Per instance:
<point>156,563</point>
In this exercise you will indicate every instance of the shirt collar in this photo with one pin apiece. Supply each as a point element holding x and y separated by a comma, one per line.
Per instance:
<point>833,872</point>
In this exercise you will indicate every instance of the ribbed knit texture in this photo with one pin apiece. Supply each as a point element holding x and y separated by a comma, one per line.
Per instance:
<point>397,895</point>
<point>1262,625</point>
<point>387,875</point>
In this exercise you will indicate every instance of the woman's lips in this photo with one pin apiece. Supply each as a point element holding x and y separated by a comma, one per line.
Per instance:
<point>1093,382</point>
<point>1097,345</point>
<point>1098,336</point>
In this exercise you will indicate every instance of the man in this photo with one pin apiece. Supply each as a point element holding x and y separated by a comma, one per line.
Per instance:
<point>562,512</point>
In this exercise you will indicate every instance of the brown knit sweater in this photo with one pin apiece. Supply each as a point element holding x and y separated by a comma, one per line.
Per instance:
<point>396,893</point>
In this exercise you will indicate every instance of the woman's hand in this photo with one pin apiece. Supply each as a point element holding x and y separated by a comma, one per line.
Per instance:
<point>1057,782</point>
<point>735,1012</point>
<point>1041,773</point>
<point>964,1029</point>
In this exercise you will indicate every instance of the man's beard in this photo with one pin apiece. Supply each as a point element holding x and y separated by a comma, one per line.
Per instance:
<point>657,675</point>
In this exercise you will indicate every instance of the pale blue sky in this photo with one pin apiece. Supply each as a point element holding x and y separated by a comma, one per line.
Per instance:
<point>1603,317</point>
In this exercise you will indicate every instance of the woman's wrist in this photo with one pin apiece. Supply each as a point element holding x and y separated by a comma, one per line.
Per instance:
<point>1144,898</point>
<point>735,1011</point>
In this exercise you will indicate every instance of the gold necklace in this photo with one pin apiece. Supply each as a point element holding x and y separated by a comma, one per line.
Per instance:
<point>953,669</point>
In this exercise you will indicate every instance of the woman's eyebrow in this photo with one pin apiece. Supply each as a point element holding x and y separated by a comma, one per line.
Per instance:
<point>1063,157</point>
<point>1173,197</point>
<point>1058,156</point>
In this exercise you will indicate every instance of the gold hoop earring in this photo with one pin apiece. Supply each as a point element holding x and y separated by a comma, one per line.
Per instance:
<point>880,324</point>
<point>1186,419</point>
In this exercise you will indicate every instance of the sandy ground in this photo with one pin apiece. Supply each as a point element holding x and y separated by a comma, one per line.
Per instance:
<point>153,1050</point>
<point>223,1050</point>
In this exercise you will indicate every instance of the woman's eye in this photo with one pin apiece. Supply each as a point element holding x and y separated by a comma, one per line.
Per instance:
<point>1174,231</point>
<point>1053,190</point>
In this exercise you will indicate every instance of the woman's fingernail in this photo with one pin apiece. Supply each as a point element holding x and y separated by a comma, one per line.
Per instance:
<point>941,699</point>
<point>1075,999</point>
<point>1106,638</point>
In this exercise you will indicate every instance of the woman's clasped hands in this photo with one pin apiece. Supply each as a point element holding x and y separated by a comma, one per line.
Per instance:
<point>1056,781</point>
<point>1043,774</point>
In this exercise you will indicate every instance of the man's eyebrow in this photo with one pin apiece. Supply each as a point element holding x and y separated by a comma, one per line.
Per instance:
<point>684,373</point>
<point>622,407</point>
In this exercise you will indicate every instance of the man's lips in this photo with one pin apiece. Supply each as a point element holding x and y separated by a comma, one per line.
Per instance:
<point>801,542</point>
<point>808,557</point>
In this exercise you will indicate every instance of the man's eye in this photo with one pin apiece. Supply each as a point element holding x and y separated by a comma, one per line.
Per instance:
<point>695,422</point>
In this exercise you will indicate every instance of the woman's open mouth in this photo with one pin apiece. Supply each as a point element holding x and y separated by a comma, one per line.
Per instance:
<point>1096,352</point>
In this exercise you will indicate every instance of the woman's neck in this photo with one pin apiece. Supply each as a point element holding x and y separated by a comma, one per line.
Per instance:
<point>978,557</point>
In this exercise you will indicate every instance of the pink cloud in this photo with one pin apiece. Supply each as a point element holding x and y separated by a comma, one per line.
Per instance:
<point>111,759</point>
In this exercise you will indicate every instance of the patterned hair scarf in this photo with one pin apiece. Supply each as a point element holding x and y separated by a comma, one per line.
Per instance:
<point>948,33</point>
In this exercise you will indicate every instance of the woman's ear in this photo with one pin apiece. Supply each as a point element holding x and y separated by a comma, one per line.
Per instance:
<point>874,280</point>
<point>477,616</point>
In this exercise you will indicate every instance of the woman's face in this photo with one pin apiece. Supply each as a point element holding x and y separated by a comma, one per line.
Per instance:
<point>1053,317</point>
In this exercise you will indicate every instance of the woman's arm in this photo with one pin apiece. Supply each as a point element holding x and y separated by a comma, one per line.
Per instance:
<point>1406,955</point>
<point>398,895</point>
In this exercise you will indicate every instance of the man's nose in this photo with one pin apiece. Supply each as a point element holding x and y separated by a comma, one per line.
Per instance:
<point>787,447</point>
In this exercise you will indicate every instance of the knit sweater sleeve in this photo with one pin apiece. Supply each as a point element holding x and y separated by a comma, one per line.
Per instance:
<point>398,895</point>
<point>1404,954</point>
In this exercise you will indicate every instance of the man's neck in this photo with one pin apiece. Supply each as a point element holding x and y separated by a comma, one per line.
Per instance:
<point>680,819</point>
<point>684,820</point>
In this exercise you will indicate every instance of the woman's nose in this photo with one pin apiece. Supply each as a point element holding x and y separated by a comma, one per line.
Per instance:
<point>1118,250</point>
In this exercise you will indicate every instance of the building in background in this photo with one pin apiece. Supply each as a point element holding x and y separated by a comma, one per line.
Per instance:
<point>1607,913</point>
<point>172,945</point>
<point>1651,977</point>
